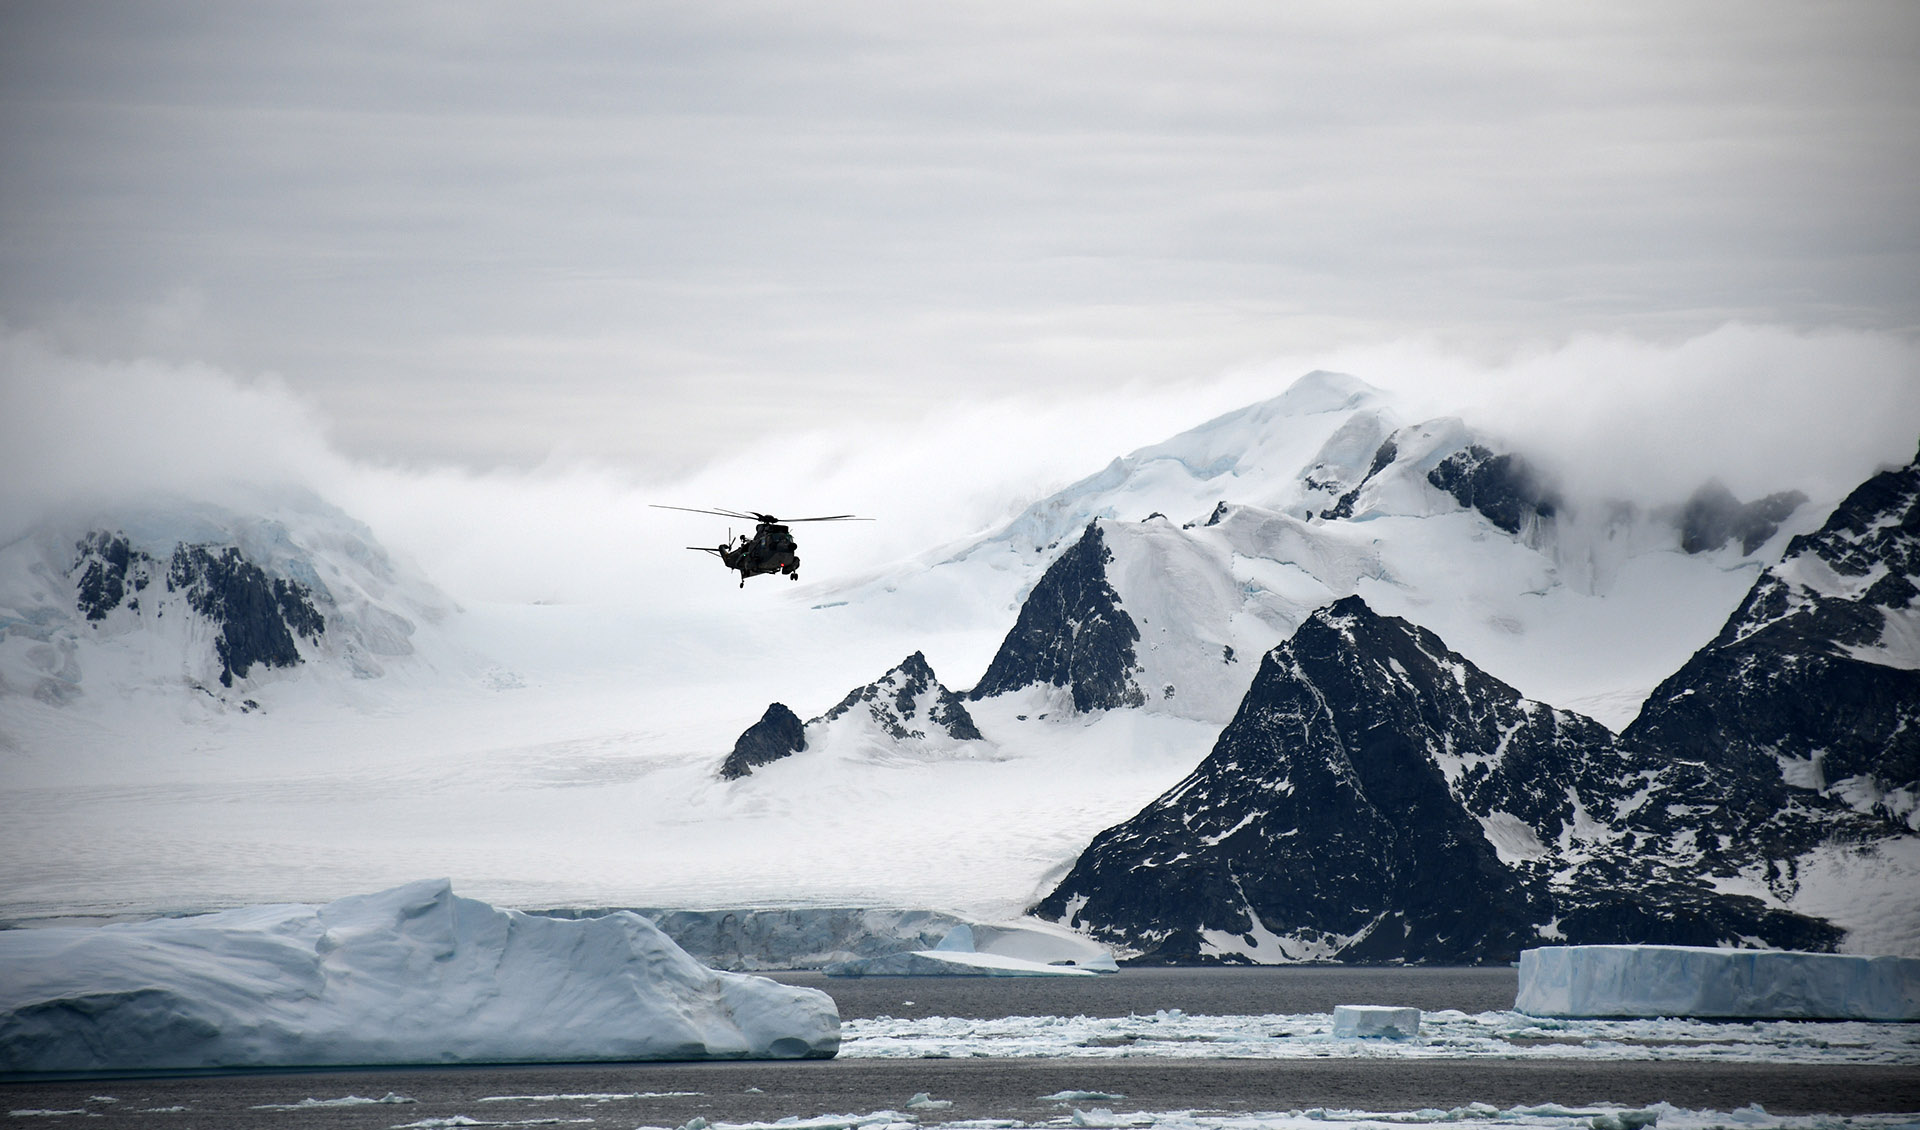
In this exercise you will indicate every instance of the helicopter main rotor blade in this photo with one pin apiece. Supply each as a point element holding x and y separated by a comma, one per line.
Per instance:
<point>691,510</point>
<point>767,519</point>
<point>829,518</point>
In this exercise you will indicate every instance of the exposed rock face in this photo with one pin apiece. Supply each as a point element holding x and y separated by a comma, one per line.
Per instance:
<point>256,616</point>
<point>1504,488</point>
<point>1811,691</point>
<point>779,733</point>
<point>1379,798</point>
<point>899,700</point>
<point>1071,633</point>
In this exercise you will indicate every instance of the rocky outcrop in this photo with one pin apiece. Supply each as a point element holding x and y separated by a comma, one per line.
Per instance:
<point>1071,633</point>
<point>1504,488</point>
<point>779,733</point>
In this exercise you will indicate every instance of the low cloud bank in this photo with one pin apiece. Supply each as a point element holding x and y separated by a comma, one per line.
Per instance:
<point>1760,408</point>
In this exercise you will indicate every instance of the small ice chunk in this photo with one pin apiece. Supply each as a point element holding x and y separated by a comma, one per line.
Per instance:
<point>1354,1021</point>
<point>923,1101</point>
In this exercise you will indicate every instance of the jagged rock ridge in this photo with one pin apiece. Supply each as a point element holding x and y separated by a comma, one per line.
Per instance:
<point>1379,798</point>
<point>894,703</point>
<point>1812,688</point>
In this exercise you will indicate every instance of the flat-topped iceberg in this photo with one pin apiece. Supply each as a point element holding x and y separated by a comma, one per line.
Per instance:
<point>408,976</point>
<point>1698,981</point>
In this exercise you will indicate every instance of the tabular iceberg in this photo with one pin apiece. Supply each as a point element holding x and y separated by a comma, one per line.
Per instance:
<point>411,975</point>
<point>1699,981</point>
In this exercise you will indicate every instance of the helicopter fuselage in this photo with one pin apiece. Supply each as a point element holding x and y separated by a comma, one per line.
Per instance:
<point>771,549</point>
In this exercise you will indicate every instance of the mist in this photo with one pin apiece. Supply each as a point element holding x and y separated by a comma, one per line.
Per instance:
<point>1759,408</point>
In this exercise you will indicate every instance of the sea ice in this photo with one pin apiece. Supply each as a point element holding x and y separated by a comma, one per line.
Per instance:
<point>1697,981</point>
<point>409,975</point>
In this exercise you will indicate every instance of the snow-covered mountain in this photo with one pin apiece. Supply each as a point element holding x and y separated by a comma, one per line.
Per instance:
<point>1230,534</point>
<point>1109,632</point>
<point>1379,797</point>
<point>204,603</point>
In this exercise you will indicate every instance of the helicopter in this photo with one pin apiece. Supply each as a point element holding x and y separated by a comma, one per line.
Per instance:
<point>770,549</point>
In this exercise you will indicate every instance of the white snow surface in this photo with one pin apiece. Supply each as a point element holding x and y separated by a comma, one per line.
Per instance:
<point>1704,982</point>
<point>408,976</point>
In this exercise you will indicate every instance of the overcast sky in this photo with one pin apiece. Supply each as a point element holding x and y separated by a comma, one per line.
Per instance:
<point>485,233</point>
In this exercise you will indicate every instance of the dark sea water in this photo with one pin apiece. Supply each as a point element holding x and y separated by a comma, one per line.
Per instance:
<point>672,1094</point>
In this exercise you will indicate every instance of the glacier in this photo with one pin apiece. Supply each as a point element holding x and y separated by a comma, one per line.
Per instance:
<point>1698,981</point>
<point>412,975</point>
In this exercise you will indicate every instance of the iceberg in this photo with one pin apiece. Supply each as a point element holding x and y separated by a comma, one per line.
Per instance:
<point>1699,981</point>
<point>413,975</point>
<point>1357,1021</point>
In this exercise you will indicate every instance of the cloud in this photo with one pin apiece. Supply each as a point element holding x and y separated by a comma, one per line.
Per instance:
<point>575,229</point>
<point>78,435</point>
<point>1760,408</point>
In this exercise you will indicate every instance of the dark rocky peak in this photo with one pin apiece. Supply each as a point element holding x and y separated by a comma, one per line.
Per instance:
<point>1510,492</point>
<point>1071,633</point>
<point>779,733</point>
<point>1811,691</point>
<point>1379,798</point>
<point>908,701</point>
<point>1714,516</point>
